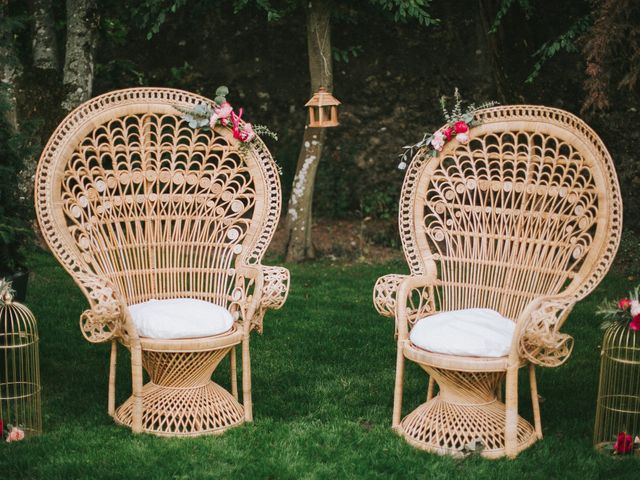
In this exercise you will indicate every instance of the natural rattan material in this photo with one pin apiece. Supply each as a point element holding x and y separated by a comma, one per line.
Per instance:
<point>137,205</point>
<point>524,219</point>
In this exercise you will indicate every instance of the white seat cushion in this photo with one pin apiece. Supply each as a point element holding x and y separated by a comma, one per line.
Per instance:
<point>180,318</point>
<point>474,332</point>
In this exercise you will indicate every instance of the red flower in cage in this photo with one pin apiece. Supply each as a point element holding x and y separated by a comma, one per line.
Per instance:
<point>624,444</point>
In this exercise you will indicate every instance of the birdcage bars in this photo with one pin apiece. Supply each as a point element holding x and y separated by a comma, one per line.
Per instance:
<point>618,404</point>
<point>20,404</point>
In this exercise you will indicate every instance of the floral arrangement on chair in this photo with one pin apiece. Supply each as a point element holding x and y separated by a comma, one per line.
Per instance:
<point>459,122</point>
<point>625,310</point>
<point>221,112</point>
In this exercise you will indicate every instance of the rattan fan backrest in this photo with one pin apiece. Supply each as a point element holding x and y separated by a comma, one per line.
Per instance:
<point>128,190</point>
<point>528,207</point>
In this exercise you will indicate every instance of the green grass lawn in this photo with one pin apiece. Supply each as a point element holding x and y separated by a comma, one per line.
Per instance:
<point>322,383</point>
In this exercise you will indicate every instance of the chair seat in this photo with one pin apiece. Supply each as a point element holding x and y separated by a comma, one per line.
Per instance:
<point>180,318</point>
<point>474,332</point>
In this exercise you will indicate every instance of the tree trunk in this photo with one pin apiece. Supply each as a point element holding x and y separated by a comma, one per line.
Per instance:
<point>45,50</point>
<point>82,37</point>
<point>298,221</point>
<point>493,49</point>
<point>10,70</point>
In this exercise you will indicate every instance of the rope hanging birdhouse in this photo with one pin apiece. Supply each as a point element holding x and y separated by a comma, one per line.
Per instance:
<point>323,109</point>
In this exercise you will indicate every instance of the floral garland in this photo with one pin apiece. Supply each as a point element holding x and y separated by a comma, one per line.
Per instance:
<point>221,112</point>
<point>458,124</point>
<point>626,310</point>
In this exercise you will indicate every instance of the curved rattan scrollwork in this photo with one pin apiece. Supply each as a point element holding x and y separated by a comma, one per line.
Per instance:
<point>102,322</point>
<point>418,302</point>
<point>385,294</point>
<point>541,342</point>
<point>524,164</point>
<point>275,290</point>
<point>127,157</point>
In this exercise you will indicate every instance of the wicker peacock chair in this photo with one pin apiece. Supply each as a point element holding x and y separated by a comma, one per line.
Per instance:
<point>524,220</point>
<point>141,209</point>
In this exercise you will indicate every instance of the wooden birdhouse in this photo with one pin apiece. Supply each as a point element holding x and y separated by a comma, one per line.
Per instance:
<point>323,109</point>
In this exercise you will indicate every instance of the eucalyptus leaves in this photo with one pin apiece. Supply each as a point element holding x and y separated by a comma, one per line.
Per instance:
<point>458,123</point>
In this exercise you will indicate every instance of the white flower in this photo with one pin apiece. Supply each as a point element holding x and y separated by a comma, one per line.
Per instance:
<point>437,142</point>
<point>463,138</point>
<point>635,308</point>
<point>402,166</point>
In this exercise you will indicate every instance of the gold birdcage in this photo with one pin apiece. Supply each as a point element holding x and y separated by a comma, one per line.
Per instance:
<point>618,405</point>
<point>19,365</point>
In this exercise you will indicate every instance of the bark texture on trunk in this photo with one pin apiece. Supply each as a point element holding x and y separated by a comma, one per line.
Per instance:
<point>10,70</point>
<point>299,218</point>
<point>494,51</point>
<point>82,37</point>
<point>45,49</point>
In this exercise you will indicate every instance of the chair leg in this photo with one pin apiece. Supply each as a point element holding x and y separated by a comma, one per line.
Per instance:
<point>234,373</point>
<point>535,401</point>
<point>112,378</point>
<point>136,377</point>
<point>430,389</point>
<point>246,380</point>
<point>511,405</point>
<point>397,394</point>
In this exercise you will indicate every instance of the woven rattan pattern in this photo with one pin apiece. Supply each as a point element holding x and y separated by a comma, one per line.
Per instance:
<point>136,205</point>
<point>525,219</point>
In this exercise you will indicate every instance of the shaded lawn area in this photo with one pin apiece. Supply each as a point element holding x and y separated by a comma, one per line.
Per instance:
<point>323,377</point>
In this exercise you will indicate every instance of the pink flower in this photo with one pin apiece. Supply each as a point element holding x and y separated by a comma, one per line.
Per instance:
<point>243,132</point>
<point>624,303</point>
<point>247,133</point>
<point>463,138</point>
<point>213,120</point>
<point>448,132</point>
<point>224,111</point>
<point>624,443</point>
<point>634,324</point>
<point>15,435</point>
<point>635,308</point>
<point>461,127</point>
<point>437,142</point>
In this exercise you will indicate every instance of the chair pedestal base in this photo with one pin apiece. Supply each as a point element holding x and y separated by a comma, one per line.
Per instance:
<point>466,410</point>
<point>181,399</point>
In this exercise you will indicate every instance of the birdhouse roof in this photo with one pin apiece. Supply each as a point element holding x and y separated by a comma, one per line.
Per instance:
<point>322,98</point>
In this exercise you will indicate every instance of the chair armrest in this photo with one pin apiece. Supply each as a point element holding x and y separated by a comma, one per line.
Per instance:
<point>538,337</point>
<point>104,320</point>
<point>405,298</point>
<point>385,293</point>
<point>259,288</point>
